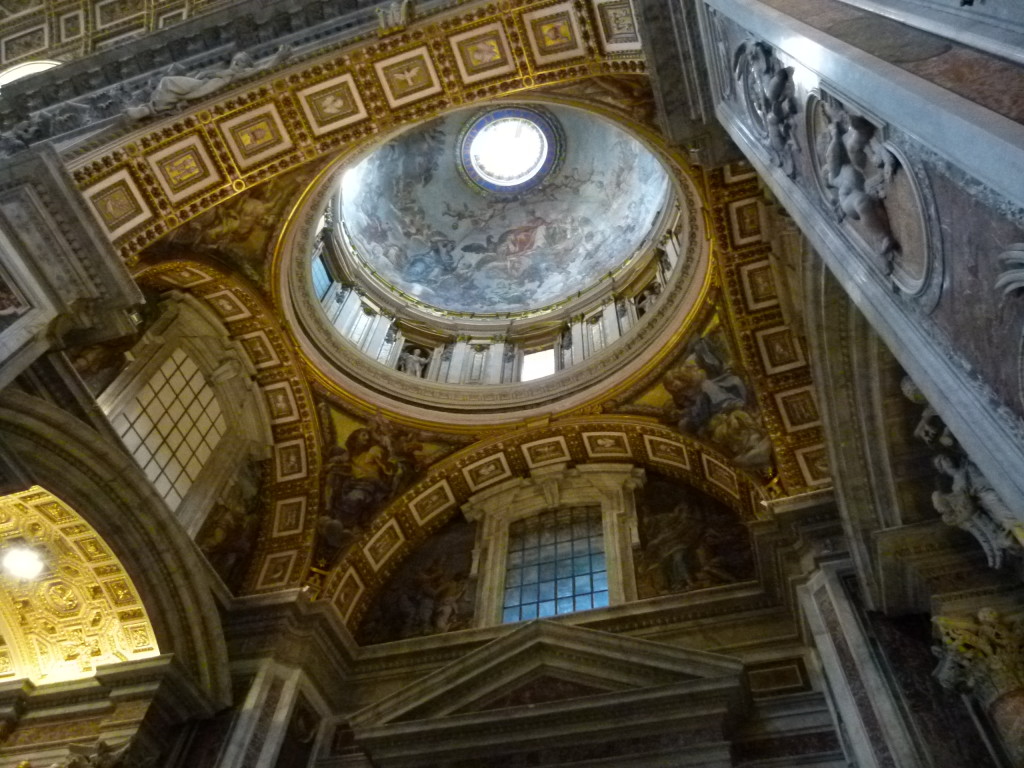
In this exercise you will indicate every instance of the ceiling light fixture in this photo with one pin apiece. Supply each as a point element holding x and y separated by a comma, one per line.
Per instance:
<point>22,563</point>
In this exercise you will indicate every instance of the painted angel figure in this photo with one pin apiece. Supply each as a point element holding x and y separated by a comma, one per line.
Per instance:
<point>175,90</point>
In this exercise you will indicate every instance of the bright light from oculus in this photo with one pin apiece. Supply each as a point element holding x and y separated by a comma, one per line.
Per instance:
<point>509,151</point>
<point>23,563</point>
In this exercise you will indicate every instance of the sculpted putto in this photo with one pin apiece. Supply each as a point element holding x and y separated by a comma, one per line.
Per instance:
<point>769,92</point>
<point>857,171</point>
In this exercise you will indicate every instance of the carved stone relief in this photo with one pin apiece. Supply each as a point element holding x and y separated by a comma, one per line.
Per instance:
<point>963,496</point>
<point>766,88</point>
<point>871,190</point>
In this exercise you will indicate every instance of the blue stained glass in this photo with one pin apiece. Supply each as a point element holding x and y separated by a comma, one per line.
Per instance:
<point>529,594</point>
<point>577,561</point>
<point>510,615</point>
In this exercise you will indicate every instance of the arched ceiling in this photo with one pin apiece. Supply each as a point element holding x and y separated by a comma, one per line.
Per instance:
<point>416,219</point>
<point>82,610</point>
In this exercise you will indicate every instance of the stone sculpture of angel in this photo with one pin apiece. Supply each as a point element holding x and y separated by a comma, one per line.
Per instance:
<point>175,90</point>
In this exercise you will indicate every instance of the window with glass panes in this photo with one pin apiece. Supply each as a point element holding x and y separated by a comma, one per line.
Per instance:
<point>555,564</point>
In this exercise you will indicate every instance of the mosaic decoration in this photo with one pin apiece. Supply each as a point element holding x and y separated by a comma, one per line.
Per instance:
<point>240,230</point>
<point>617,25</point>
<point>408,77</point>
<point>118,204</point>
<point>439,492</point>
<point>332,105</point>
<point>482,53</point>
<point>280,522</point>
<point>688,540</point>
<point>529,251</point>
<point>366,464</point>
<point>184,169</point>
<point>553,33</point>
<point>256,136</point>
<point>540,453</point>
<point>229,534</point>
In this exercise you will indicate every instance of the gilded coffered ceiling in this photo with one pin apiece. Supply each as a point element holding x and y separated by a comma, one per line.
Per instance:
<point>80,612</point>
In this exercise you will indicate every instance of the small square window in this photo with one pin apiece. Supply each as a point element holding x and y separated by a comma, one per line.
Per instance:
<point>537,365</point>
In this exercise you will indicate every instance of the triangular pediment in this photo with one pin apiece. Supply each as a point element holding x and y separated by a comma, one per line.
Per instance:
<point>577,662</point>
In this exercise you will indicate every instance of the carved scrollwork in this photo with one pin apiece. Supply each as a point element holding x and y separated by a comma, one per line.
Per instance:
<point>1011,281</point>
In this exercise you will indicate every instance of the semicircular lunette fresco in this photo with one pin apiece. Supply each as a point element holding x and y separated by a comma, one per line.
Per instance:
<point>416,221</point>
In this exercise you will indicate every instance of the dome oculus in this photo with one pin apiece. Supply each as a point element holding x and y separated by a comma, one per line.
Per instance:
<point>508,150</point>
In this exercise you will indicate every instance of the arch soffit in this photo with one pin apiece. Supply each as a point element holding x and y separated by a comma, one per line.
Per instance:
<point>439,494</point>
<point>90,475</point>
<point>290,494</point>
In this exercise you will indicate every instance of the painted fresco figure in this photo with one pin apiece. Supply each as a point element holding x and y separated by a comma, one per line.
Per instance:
<point>702,387</point>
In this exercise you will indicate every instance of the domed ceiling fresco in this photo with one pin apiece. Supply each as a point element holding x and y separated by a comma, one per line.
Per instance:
<point>413,215</point>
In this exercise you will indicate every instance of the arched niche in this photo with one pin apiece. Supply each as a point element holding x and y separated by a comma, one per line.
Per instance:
<point>41,445</point>
<point>79,611</point>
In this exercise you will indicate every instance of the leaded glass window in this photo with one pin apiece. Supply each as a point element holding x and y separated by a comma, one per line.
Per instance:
<point>556,565</point>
